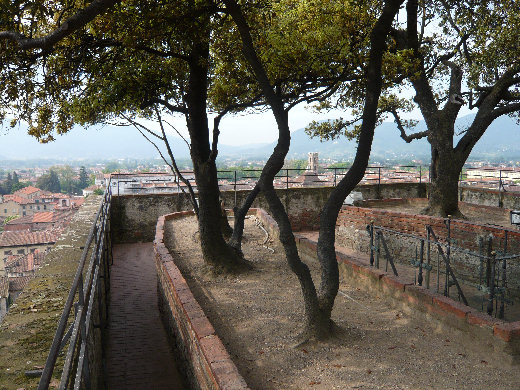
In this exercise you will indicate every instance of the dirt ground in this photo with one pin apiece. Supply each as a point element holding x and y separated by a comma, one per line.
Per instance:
<point>470,212</point>
<point>258,315</point>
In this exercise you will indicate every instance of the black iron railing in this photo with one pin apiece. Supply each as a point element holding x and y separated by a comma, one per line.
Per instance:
<point>85,310</point>
<point>437,260</point>
<point>246,178</point>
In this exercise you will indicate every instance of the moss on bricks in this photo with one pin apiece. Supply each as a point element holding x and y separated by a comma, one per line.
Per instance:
<point>27,330</point>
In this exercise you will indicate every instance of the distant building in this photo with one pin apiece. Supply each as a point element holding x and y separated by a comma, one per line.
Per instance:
<point>4,296</point>
<point>24,242</point>
<point>41,221</point>
<point>312,162</point>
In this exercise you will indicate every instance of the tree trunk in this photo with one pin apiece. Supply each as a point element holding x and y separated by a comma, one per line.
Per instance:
<point>318,324</point>
<point>444,183</point>
<point>214,248</point>
<point>326,242</point>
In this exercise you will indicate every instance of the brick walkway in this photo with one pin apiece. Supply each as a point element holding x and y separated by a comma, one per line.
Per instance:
<point>137,350</point>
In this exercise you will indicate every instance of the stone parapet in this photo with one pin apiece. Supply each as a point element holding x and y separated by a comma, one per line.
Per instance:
<point>204,356</point>
<point>28,329</point>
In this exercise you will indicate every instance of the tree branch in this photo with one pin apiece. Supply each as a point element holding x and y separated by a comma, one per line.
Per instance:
<point>72,24</point>
<point>179,175</point>
<point>400,126</point>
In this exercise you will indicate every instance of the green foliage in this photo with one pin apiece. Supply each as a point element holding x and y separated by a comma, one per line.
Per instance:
<point>112,166</point>
<point>297,166</point>
<point>49,182</point>
<point>98,191</point>
<point>83,178</point>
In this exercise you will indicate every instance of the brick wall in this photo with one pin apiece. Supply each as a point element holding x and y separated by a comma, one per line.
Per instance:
<point>351,233</point>
<point>204,356</point>
<point>134,216</point>
<point>503,338</point>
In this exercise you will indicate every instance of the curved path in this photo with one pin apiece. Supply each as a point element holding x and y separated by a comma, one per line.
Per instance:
<point>138,355</point>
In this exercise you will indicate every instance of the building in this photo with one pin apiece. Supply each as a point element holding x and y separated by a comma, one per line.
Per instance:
<point>24,242</point>
<point>40,221</point>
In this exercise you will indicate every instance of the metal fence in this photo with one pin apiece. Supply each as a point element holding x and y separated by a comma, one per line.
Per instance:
<point>480,279</point>
<point>245,179</point>
<point>502,179</point>
<point>85,311</point>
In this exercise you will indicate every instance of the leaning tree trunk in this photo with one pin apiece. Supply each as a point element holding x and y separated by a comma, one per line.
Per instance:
<point>444,182</point>
<point>214,248</point>
<point>318,323</point>
<point>326,242</point>
<point>273,165</point>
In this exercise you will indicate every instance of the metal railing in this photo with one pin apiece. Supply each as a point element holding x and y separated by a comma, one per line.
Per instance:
<point>246,179</point>
<point>488,291</point>
<point>85,309</point>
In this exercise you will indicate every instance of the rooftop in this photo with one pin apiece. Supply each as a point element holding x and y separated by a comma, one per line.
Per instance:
<point>21,238</point>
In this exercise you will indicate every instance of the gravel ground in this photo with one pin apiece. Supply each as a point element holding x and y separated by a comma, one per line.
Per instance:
<point>258,316</point>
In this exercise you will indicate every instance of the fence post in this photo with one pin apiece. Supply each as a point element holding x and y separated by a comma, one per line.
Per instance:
<point>488,261</point>
<point>448,250</point>
<point>371,243</point>
<point>504,280</point>
<point>335,172</point>
<point>492,285</point>
<point>421,257</point>
<point>420,174</point>
<point>235,187</point>
<point>428,258</point>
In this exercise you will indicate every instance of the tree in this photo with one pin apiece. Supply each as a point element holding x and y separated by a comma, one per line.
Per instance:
<point>83,178</point>
<point>49,182</point>
<point>119,66</point>
<point>318,304</point>
<point>473,61</point>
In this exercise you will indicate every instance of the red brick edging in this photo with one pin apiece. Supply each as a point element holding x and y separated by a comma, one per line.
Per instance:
<point>504,336</point>
<point>203,352</point>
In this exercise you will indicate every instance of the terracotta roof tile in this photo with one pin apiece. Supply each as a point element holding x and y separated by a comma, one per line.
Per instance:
<point>27,190</point>
<point>25,263</point>
<point>18,283</point>
<point>21,238</point>
<point>17,199</point>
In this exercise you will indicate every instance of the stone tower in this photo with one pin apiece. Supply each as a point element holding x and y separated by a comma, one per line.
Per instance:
<point>312,162</point>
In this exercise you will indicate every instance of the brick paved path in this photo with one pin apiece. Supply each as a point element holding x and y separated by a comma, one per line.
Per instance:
<point>137,350</point>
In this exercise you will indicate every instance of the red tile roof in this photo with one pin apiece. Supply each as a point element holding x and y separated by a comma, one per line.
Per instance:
<point>18,283</point>
<point>17,199</point>
<point>25,263</point>
<point>27,190</point>
<point>23,238</point>
<point>41,217</point>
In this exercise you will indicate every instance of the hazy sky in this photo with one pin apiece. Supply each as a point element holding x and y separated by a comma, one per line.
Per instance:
<point>261,128</point>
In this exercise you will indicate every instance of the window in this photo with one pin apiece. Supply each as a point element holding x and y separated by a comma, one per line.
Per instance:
<point>8,252</point>
<point>21,251</point>
<point>38,207</point>
<point>5,211</point>
<point>37,200</point>
<point>23,207</point>
<point>24,213</point>
<point>45,207</point>
<point>33,250</point>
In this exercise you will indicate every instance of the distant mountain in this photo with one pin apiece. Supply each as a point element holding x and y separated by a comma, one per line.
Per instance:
<point>96,142</point>
<point>501,140</point>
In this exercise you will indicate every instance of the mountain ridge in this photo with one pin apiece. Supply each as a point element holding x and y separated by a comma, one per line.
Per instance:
<point>110,142</point>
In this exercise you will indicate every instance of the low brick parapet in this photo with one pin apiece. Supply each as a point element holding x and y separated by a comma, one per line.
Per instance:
<point>505,337</point>
<point>203,353</point>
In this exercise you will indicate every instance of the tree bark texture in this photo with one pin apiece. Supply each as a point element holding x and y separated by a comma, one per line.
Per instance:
<point>318,308</point>
<point>326,242</point>
<point>214,248</point>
